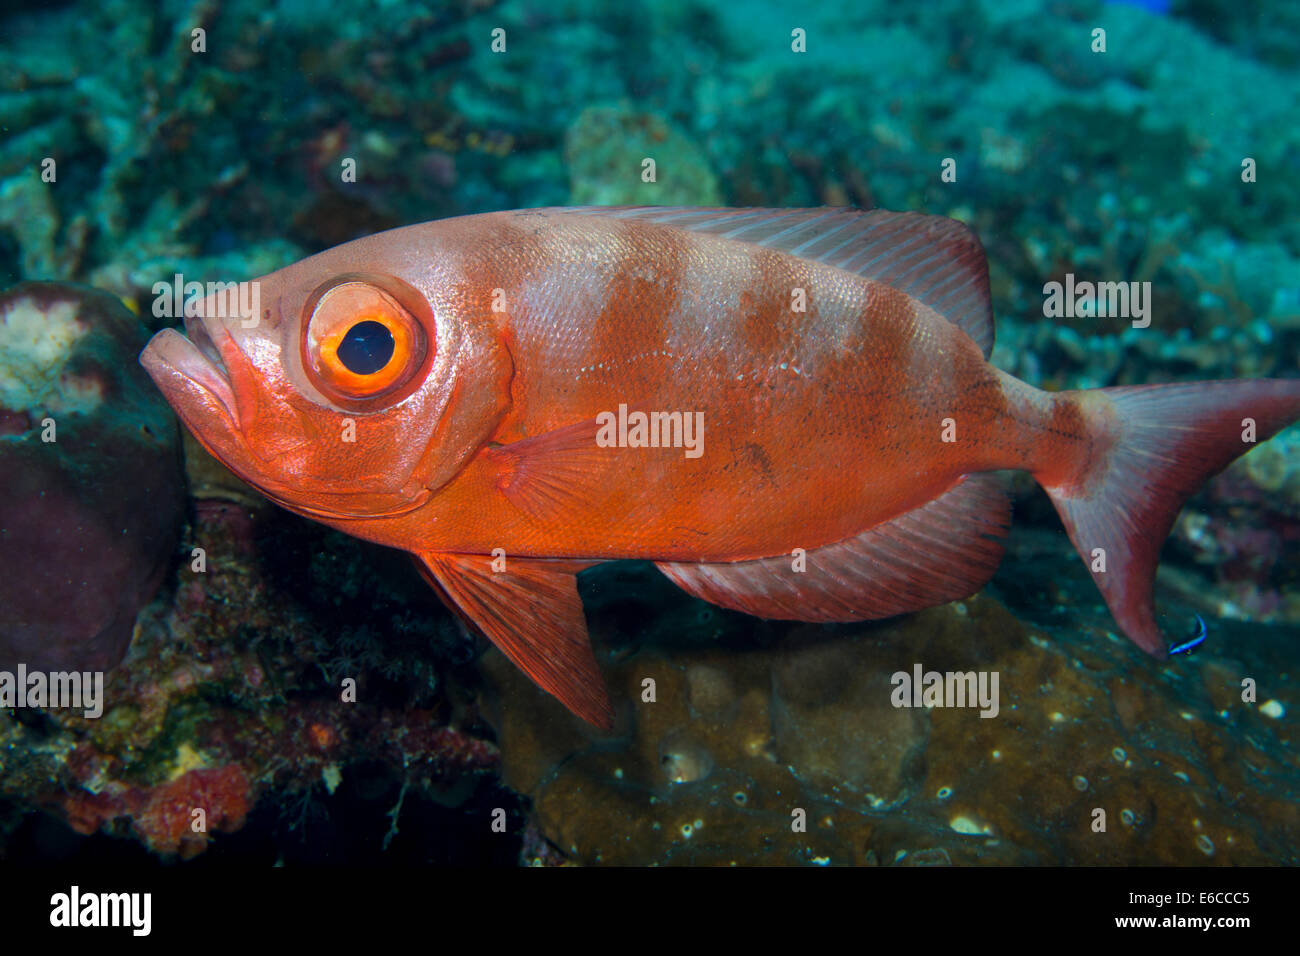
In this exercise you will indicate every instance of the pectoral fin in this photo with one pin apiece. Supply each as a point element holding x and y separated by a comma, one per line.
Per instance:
<point>552,474</point>
<point>532,612</point>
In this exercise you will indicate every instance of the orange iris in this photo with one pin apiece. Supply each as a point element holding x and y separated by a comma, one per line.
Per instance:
<point>340,320</point>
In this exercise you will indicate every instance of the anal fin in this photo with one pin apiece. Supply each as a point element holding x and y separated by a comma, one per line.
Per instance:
<point>945,550</point>
<point>532,612</point>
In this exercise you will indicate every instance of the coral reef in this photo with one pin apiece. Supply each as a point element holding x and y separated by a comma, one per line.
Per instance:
<point>90,464</point>
<point>739,749</point>
<point>234,691</point>
<point>608,151</point>
<point>1246,556</point>
<point>164,815</point>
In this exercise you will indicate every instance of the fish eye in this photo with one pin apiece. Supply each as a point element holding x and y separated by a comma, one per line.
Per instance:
<point>366,348</point>
<point>361,343</point>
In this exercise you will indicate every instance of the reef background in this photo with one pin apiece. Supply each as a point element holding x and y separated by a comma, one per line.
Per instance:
<point>1117,166</point>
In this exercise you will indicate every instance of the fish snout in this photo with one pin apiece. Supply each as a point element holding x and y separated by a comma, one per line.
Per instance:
<point>192,374</point>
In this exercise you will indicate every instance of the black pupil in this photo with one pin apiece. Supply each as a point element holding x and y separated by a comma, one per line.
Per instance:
<point>366,348</point>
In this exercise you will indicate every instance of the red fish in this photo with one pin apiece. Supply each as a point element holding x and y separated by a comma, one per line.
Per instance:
<point>791,412</point>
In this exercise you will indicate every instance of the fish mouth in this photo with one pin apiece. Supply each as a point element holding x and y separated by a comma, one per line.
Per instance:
<point>193,371</point>
<point>199,335</point>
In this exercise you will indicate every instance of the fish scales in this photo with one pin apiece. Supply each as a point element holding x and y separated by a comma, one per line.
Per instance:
<point>627,312</point>
<point>832,364</point>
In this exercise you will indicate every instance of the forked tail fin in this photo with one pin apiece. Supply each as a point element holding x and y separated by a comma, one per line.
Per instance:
<point>1152,447</point>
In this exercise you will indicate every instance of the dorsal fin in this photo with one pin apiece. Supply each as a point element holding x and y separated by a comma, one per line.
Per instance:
<point>936,260</point>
